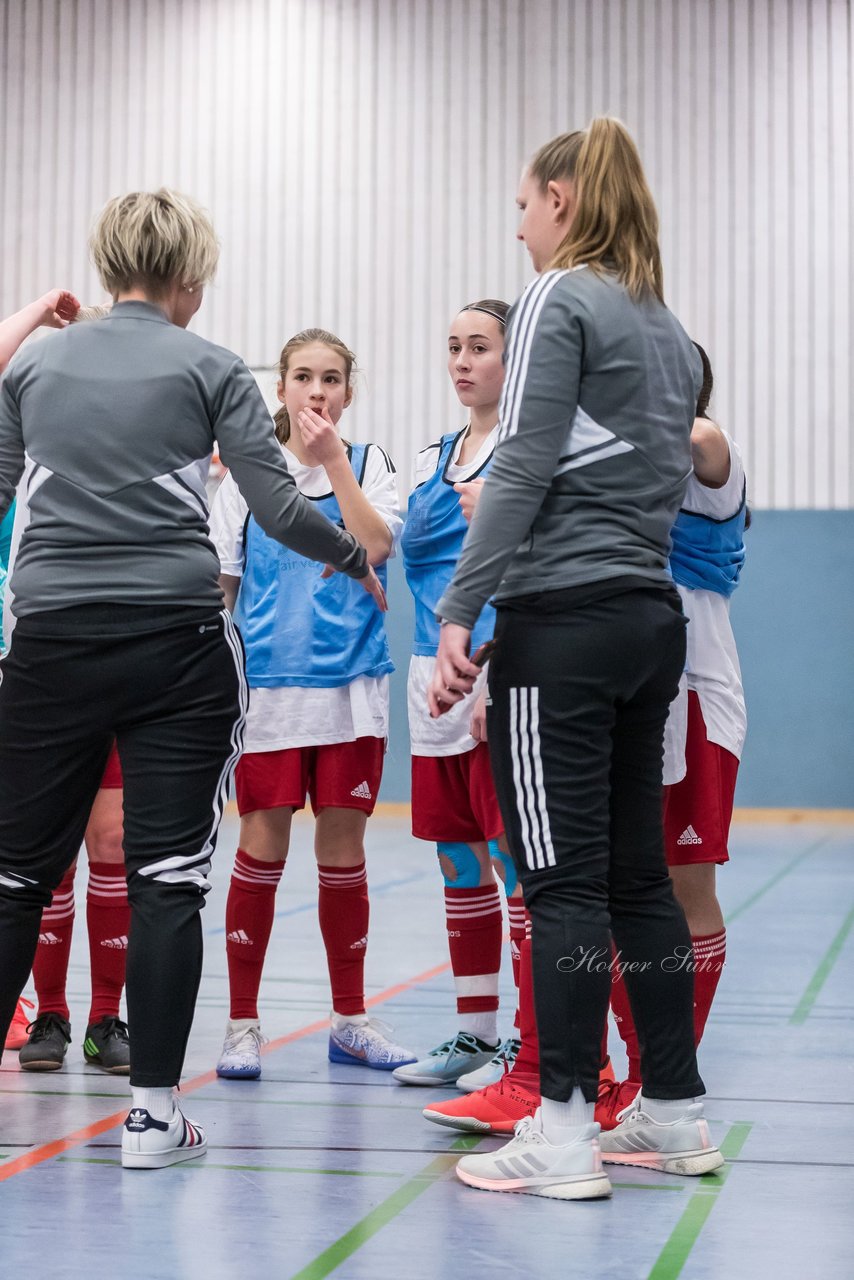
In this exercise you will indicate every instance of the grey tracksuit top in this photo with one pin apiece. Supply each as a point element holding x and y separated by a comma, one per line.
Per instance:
<point>593,451</point>
<point>115,421</point>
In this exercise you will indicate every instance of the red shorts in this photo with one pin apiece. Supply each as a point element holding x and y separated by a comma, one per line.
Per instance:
<point>112,779</point>
<point>453,797</point>
<point>343,775</point>
<point>698,810</point>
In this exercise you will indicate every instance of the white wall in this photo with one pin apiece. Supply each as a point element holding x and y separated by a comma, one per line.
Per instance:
<point>360,159</point>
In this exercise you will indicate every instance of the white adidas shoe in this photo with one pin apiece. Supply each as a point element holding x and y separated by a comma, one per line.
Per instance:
<point>494,1070</point>
<point>531,1165</point>
<point>683,1146</point>
<point>154,1144</point>
<point>241,1051</point>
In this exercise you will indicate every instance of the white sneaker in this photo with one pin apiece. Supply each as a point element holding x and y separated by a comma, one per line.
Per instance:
<point>683,1146</point>
<point>531,1165</point>
<point>447,1062</point>
<point>494,1070</point>
<point>153,1144</point>
<point>241,1052</point>
<point>365,1042</point>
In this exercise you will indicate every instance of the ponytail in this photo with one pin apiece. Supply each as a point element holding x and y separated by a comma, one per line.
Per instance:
<point>708,383</point>
<point>615,225</point>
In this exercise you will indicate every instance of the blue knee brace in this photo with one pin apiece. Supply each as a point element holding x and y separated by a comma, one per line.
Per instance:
<point>511,880</point>
<point>465,863</point>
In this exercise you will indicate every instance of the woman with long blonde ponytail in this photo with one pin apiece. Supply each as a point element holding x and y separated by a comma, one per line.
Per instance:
<point>571,540</point>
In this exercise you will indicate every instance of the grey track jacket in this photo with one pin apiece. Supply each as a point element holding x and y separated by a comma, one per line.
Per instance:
<point>115,421</point>
<point>593,454</point>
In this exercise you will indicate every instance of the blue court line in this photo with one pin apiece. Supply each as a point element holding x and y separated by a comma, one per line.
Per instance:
<point>374,891</point>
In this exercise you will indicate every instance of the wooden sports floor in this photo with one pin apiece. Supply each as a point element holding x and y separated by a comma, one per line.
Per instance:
<point>319,1170</point>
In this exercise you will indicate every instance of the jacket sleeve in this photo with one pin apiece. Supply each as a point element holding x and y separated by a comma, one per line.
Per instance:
<point>11,443</point>
<point>248,447</point>
<point>543,372</point>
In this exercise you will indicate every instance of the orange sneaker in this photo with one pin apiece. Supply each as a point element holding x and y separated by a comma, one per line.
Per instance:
<point>614,1098</point>
<point>16,1036</point>
<point>496,1109</point>
<point>499,1107</point>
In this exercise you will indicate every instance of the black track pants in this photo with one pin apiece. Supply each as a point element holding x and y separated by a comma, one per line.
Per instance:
<point>576,726</point>
<point>168,684</point>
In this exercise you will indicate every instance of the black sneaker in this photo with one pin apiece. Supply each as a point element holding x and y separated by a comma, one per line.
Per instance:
<point>49,1037</point>
<point>107,1046</point>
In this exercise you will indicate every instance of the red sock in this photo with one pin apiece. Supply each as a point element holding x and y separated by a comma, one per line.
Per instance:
<point>709,958</point>
<point>344,912</point>
<point>108,920</point>
<point>50,967</point>
<point>526,1068</point>
<point>625,1023</point>
<point>475,927</point>
<point>517,916</point>
<point>248,923</point>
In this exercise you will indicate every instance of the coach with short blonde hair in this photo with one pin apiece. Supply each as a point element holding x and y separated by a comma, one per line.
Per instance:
<point>121,630</point>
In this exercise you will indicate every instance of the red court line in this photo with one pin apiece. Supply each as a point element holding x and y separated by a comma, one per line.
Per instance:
<point>50,1149</point>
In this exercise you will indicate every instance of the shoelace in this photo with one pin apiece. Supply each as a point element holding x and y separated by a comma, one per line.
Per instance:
<point>44,1025</point>
<point>630,1111</point>
<point>236,1038</point>
<point>442,1049</point>
<point>463,1041</point>
<point>507,1054</point>
<point>382,1028</point>
<point>114,1027</point>
<point>524,1129</point>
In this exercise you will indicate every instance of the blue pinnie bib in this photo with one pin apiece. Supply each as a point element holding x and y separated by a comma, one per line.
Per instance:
<point>708,554</point>
<point>431,544</point>
<point>302,630</point>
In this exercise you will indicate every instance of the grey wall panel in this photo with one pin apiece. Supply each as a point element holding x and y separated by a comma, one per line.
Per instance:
<point>360,158</point>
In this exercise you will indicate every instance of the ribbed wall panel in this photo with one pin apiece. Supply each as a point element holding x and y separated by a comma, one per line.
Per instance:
<point>360,158</point>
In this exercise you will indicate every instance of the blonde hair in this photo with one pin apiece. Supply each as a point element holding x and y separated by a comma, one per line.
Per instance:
<point>615,225</point>
<point>303,339</point>
<point>153,239</point>
<point>96,312</point>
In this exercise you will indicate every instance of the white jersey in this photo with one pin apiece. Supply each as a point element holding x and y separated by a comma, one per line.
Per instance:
<point>712,669</point>
<point>282,718</point>
<point>449,735</point>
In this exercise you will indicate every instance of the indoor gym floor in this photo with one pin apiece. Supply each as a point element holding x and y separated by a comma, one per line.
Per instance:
<point>320,1170</point>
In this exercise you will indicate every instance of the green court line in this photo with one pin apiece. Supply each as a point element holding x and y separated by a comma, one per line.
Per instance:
<point>669,1263</point>
<point>822,973</point>
<point>346,1246</point>
<point>241,1168</point>
<point>774,880</point>
<point>342,1249</point>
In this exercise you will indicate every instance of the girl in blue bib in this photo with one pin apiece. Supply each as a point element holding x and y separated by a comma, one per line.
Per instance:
<point>317,664</point>
<point>454,805</point>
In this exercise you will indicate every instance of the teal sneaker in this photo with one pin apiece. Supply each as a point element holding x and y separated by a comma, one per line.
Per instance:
<point>447,1062</point>
<point>494,1070</point>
